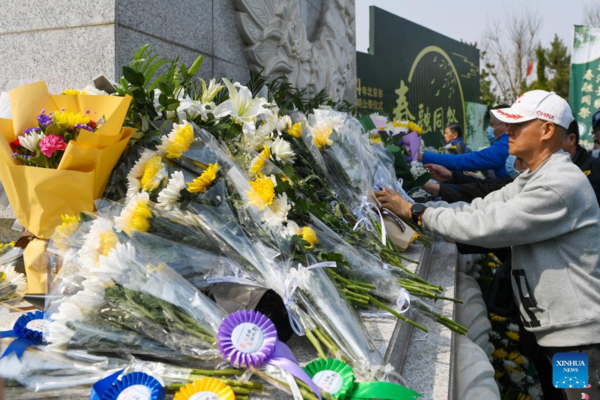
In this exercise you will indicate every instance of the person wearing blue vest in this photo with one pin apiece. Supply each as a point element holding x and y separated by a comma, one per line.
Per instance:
<point>491,158</point>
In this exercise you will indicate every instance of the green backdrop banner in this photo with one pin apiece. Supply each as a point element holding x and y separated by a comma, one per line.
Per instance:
<point>421,75</point>
<point>584,93</point>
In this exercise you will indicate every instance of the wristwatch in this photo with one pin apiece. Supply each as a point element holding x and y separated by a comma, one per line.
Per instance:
<point>417,211</point>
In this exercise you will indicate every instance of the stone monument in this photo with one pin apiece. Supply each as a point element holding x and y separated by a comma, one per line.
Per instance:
<point>68,43</point>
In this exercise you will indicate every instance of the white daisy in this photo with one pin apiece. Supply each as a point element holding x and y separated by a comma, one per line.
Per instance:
<point>123,222</point>
<point>31,139</point>
<point>276,214</point>
<point>11,277</point>
<point>134,176</point>
<point>282,150</point>
<point>98,241</point>
<point>292,229</point>
<point>170,196</point>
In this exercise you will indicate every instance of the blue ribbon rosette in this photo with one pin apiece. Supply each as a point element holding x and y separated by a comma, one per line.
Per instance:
<point>29,330</point>
<point>133,386</point>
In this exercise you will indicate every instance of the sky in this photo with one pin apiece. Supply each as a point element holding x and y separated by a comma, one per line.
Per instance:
<point>467,19</point>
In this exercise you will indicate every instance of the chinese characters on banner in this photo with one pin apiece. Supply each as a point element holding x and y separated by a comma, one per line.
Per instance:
<point>370,98</point>
<point>584,93</point>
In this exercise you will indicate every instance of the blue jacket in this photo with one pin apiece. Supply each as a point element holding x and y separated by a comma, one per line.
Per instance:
<point>493,157</point>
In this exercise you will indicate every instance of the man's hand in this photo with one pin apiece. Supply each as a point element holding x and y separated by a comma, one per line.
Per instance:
<point>392,200</point>
<point>440,174</point>
<point>432,188</point>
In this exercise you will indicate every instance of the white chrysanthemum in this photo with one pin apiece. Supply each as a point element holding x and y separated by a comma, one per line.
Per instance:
<point>169,197</point>
<point>95,243</point>
<point>517,377</point>
<point>284,123</point>
<point>11,277</point>
<point>282,150</point>
<point>124,221</point>
<point>117,262</point>
<point>292,229</point>
<point>302,275</point>
<point>382,119</point>
<point>31,139</point>
<point>257,139</point>
<point>91,90</point>
<point>276,214</point>
<point>134,184</point>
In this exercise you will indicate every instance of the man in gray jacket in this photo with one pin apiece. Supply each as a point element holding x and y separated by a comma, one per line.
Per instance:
<point>550,217</point>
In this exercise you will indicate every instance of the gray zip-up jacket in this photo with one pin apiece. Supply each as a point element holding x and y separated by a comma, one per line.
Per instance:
<point>551,219</point>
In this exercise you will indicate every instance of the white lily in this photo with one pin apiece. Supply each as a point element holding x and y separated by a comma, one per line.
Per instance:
<point>208,94</point>
<point>242,107</point>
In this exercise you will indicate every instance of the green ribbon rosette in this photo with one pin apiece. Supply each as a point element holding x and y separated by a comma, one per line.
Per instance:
<point>337,378</point>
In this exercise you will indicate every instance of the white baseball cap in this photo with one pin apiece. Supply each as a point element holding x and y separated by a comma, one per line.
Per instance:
<point>537,104</point>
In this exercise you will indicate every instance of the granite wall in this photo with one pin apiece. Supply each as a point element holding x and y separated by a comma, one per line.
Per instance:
<point>68,43</point>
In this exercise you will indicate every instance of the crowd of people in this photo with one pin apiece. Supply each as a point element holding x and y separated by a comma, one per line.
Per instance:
<point>539,209</point>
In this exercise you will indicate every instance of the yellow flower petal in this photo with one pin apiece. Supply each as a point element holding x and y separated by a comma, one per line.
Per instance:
<point>513,335</point>
<point>108,241</point>
<point>153,174</point>
<point>309,235</point>
<point>321,135</point>
<point>260,160</point>
<point>262,191</point>
<point>184,137</point>
<point>204,181</point>
<point>141,217</point>
<point>296,130</point>
<point>500,353</point>
<point>71,119</point>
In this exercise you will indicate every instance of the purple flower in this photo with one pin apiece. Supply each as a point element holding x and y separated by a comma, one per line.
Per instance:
<point>26,131</point>
<point>43,119</point>
<point>84,126</point>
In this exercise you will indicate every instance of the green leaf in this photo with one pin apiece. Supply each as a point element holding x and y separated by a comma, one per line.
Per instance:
<point>133,77</point>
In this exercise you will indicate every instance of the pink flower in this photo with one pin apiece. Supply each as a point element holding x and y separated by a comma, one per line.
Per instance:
<point>52,143</point>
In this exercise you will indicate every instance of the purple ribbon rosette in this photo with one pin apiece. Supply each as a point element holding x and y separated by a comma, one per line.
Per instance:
<point>248,339</point>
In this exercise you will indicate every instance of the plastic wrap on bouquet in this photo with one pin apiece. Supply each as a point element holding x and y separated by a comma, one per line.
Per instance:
<point>131,304</point>
<point>39,196</point>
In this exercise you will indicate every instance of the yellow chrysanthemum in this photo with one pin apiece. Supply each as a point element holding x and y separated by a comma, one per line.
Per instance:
<point>516,357</point>
<point>140,220</point>
<point>498,374</point>
<point>73,91</point>
<point>2,276</point>
<point>4,247</point>
<point>181,142</point>
<point>70,119</point>
<point>260,160</point>
<point>108,241</point>
<point>296,130</point>
<point>262,191</point>
<point>492,265</point>
<point>69,225</point>
<point>309,235</point>
<point>523,396</point>
<point>151,177</point>
<point>321,135</point>
<point>203,182</point>
<point>513,335</point>
<point>414,127</point>
<point>500,353</point>
<point>497,318</point>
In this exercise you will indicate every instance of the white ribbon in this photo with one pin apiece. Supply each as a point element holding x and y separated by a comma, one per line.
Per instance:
<point>291,284</point>
<point>366,205</point>
<point>390,370</point>
<point>403,299</point>
<point>231,279</point>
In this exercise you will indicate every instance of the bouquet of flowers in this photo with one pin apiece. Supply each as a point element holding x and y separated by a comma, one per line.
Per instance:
<point>58,153</point>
